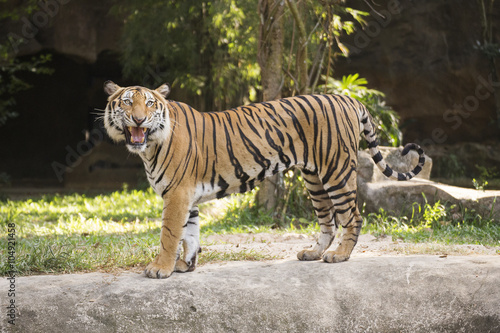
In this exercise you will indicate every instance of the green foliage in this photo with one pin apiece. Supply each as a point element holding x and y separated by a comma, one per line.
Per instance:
<point>207,48</point>
<point>15,13</point>
<point>240,216</point>
<point>296,209</point>
<point>450,166</point>
<point>234,26</point>
<point>384,117</point>
<point>479,185</point>
<point>325,23</point>
<point>210,48</point>
<point>12,68</point>
<point>11,83</point>
<point>485,175</point>
<point>441,223</point>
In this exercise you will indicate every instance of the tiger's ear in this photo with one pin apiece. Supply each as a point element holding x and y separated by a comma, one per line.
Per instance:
<point>164,90</point>
<point>110,87</point>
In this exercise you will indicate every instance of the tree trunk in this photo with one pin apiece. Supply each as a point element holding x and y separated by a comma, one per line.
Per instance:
<point>270,58</point>
<point>301,59</point>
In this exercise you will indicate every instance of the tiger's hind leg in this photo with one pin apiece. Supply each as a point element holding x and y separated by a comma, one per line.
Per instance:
<point>324,211</point>
<point>190,243</point>
<point>347,215</point>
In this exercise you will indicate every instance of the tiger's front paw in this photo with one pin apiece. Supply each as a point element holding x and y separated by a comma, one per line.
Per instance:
<point>157,271</point>
<point>333,257</point>
<point>308,255</point>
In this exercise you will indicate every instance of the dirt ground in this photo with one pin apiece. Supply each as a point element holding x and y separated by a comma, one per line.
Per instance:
<point>287,245</point>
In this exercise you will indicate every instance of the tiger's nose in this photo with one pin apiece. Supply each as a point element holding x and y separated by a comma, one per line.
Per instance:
<point>138,121</point>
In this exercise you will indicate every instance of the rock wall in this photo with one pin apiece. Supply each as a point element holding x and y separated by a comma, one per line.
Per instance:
<point>77,28</point>
<point>423,55</point>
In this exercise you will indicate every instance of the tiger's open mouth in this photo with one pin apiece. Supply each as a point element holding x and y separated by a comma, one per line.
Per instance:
<point>136,136</point>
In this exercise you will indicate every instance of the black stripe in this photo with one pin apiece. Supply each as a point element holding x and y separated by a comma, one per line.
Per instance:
<point>308,172</point>
<point>401,176</point>
<point>304,111</point>
<point>377,157</point>
<point>342,182</point>
<point>300,131</point>
<point>373,144</point>
<point>280,136</point>
<point>257,155</point>
<point>388,171</point>
<point>252,127</point>
<point>292,148</point>
<point>223,185</point>
<point>283,158</point>
<point>276,169</point>
<point>238,169</point>
<point>212,179</point>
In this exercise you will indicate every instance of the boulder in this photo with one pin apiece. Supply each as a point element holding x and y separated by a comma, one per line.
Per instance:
<point>365,294</point>
<point>377,191</point>
<point>399,197</point>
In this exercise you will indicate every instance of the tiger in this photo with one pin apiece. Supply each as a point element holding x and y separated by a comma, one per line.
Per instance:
<point>191,157</point>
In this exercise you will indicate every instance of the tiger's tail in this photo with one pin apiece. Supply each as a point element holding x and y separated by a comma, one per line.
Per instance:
<point>371,138</point>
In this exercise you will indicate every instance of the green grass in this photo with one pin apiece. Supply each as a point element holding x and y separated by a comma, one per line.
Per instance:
<point>438,223</point>
<point>75,233</point>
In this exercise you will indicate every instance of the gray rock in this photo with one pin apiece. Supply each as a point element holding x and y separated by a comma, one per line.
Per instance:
<point>377,191</point>
<point>399,197</point>
<point>365,294</point>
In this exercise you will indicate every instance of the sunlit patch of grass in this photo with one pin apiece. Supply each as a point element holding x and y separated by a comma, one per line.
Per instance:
<point>122,205</point>
<point>71,233</point>
<point>71,254</point>
<point>240,214</point>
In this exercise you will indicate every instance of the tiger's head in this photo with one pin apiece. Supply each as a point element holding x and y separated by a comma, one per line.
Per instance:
<point>137,115</point>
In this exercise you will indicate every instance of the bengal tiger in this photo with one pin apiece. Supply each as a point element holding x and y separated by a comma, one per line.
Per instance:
<point>192,157</point>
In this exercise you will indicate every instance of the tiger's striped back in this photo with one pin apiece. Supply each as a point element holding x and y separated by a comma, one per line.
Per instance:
<point>243,146</point>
